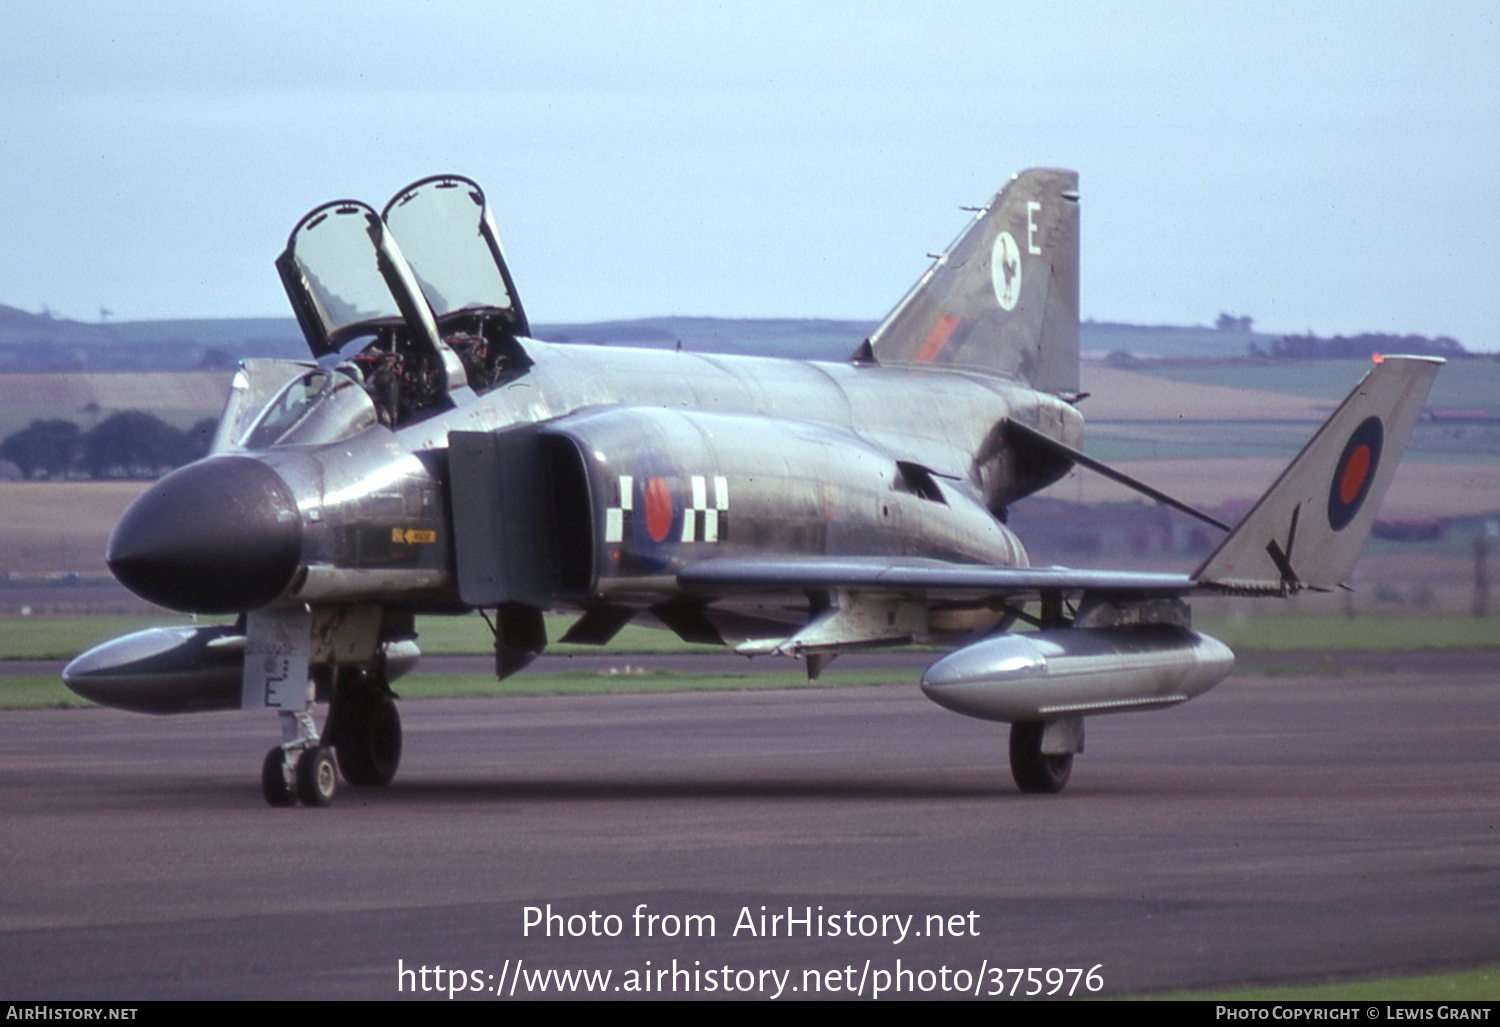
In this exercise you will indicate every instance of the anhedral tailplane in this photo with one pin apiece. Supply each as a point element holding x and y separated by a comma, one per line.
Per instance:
<point>1004,297</point>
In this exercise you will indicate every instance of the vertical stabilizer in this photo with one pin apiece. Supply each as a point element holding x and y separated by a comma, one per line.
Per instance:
<point>1004,297</point>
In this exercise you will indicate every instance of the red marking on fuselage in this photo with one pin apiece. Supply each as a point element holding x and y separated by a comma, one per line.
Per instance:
<point>658,510</point>
<point>933,344</point>
<point>1354,474</point>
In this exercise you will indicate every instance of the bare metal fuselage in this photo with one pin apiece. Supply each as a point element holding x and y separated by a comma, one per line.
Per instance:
<point>806,459</point>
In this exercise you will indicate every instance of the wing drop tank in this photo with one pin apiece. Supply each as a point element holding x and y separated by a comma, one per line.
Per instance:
<point>183,669</point>
<point>1077,672</point>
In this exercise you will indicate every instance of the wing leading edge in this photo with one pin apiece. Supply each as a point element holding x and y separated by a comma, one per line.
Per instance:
<point>931,579</point>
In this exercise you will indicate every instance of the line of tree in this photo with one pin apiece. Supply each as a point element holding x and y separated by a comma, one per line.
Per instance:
<point>1312,347</point>
<point>130,444</point>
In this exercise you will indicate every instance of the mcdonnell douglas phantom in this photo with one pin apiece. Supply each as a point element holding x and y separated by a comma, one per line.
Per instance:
<point>433,458</point>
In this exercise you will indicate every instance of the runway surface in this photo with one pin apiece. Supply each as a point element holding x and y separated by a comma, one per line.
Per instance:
<point>1286,828</point>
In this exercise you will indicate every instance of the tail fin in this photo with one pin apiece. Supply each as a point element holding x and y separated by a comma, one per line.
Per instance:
<point>1004,297</point>
<point>1307,531</point>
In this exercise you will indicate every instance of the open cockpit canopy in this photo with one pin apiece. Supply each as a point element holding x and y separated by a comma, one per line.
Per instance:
<point>449,239</point>
<point>436,318</point>
<point>346,278</point>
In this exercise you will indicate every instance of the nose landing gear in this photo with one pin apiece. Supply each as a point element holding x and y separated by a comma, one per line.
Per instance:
<point>363,734</point>
<point>300,768</point>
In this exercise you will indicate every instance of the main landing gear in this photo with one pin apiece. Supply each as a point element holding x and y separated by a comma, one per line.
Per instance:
<point>363,730</point>
<point>1035,770</point>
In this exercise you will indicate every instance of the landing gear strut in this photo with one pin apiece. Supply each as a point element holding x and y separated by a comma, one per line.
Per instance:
<point>1034,770</point>
<point>300,767</point>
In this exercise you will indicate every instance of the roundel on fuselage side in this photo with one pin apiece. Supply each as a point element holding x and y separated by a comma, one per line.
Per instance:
<point>1355,472</point>
<point>655,530</point>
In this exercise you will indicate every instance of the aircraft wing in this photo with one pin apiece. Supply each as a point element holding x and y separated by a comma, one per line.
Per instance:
<point>931,578</point>
<point>881,601</point>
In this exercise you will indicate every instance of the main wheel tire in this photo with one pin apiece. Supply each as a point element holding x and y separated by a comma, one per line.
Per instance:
<point>273,780</point>
<point>369,741</point>
<point>317,778</point>
<point>1034,770</point>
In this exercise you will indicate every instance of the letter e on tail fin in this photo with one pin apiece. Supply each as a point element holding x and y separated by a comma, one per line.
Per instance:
<point>1004,297</point>
<point>1308,530</point>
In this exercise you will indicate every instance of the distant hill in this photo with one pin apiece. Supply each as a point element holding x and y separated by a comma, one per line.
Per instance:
<point>809,339</point>
<point>35,342</point>
<point>44,343</point>
<point>1104,339</point>
<point>41,342</point>
<point>197,342</point>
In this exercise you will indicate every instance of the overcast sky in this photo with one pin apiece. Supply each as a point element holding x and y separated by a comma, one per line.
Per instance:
<point>1327,167</point>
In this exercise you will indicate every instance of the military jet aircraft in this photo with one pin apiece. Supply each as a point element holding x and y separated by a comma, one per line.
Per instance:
<point>432,458</point>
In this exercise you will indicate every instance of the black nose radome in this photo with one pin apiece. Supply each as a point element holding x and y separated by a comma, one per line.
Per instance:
<point>218,536</point>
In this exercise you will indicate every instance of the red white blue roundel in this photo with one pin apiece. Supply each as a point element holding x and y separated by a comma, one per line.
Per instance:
<point>1355,473</point>
<point>653,532</point>
<point>656,508</point>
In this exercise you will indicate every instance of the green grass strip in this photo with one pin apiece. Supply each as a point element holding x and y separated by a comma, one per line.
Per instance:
<point>36,638</point>
<point>1370,632</point>
<point>37,693</point>
<point>436,686</point>
<point>62,638</point>
<point>455,636</point>
<point>40,692</point>
<point>1479,985</point>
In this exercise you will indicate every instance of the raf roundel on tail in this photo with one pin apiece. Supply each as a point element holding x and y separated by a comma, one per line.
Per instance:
<point>432,458</point>
<point>1355,473</point>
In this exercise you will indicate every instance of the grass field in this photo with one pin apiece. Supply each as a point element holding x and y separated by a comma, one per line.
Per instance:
<point>1141,395</point>
<point>30,692</point>
<point>48,526</point>
<point>33,638</point>
<point>1419,490</point>
<point>449,686</point>
<point>180,399</point>
<point>1471,383</point>
<point>1114,441</point>
<point>33,692</point>
<point>1333,633</point>
<point>62,638</point>
<point>1478,985</point>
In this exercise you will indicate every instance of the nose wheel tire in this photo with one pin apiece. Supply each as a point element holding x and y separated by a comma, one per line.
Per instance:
<point>317,777</point>
<point>1036,771</point>
<point>273,780</point>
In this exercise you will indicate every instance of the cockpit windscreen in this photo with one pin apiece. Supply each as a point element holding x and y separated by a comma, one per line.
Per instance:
<point>323,405</point>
